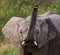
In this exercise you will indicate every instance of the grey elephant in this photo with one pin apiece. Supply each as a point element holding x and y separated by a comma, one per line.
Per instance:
<point>35,35</point>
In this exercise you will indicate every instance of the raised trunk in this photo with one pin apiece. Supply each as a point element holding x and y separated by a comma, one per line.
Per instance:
<point>33,23</point>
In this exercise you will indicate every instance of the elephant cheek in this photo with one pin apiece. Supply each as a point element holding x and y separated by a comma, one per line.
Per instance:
<point>25,36</point>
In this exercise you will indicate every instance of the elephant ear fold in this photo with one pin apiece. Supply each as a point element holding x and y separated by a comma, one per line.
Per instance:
<point>49,32</point>
<point>52,31</point>
<point>10,30</point>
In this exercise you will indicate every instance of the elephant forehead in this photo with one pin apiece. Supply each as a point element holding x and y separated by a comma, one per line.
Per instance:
<point>24,25</point>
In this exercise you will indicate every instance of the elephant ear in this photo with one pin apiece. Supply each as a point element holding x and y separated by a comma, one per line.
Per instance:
<point>10,30</point>
<point>47,33</point>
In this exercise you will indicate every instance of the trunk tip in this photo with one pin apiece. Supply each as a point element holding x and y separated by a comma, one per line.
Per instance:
<point>35,5</point>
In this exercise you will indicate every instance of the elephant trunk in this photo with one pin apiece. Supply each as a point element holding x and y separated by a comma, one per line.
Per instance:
<point>32,24</point>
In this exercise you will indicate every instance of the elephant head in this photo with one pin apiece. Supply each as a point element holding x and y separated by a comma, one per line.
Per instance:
<point>30,31</point>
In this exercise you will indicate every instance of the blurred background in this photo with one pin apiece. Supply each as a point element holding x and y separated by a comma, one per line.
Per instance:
<point>21,8</point>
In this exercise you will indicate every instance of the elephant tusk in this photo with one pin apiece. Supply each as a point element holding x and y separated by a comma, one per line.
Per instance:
<point>23,42</point>
<point>35,43</point>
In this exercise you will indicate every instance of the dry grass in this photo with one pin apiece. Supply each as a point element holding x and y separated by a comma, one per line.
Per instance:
<point>8,49</point>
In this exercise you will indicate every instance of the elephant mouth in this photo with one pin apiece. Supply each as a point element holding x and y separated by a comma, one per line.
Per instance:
<point>29,43</point>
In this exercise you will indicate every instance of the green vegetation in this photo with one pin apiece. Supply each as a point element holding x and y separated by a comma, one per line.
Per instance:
<point>21,8</point>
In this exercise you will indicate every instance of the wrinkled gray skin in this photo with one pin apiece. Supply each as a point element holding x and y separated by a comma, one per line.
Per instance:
<point>16,31</point>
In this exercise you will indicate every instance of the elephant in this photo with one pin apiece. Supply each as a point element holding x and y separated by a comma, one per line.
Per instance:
<point>36,34</point>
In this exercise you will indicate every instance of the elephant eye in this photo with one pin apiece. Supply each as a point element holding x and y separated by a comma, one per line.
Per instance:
<point>37,31</point>
<point>20,31</point>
